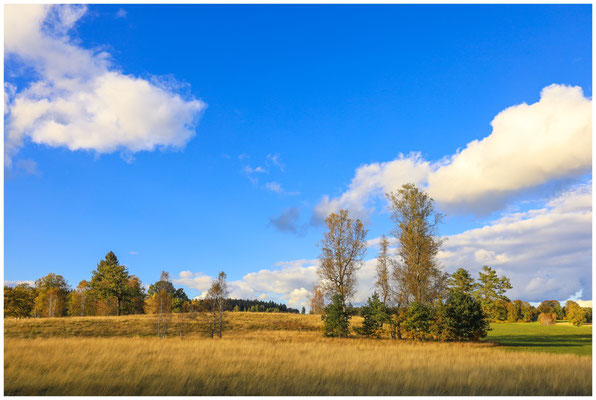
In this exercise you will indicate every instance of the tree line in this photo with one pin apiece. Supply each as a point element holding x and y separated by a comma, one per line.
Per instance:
<point>413,297</point>
<point>113,291</point>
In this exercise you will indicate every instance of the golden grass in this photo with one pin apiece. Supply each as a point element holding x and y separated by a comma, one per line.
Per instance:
<point>145,325</point>
<point>283,363</point>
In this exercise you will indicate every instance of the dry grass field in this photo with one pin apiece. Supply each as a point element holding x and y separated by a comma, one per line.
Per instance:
<point>266,354</point>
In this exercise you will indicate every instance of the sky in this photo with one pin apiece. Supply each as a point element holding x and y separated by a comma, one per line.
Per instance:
<point>205,138</point>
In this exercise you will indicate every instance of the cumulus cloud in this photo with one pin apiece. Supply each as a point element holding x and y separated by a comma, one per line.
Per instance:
<point>371,181</point>
<point>78,99</point>
<point>530,145</point>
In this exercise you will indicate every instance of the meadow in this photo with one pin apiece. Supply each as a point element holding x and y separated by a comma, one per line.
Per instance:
<point>274,354</point>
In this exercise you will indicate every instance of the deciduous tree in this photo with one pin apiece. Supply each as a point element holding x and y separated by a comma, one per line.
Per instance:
<point>19,300</point>
<point>52,291</point>
<point>416,271</point>
<point>382,282</point>
<point>342,250</point>
<point>216,297</point>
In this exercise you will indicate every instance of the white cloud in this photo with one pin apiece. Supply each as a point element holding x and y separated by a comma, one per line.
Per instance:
<point>79,99</point>
<point>121,13</point>
<point>374,180</point>
<point>530,145</point>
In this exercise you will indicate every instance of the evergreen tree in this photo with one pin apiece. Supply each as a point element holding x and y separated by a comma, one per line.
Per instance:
<point>419,320</point>
<point>303,311</point>
<point>110,279</point>
<point>336,319</point>
<point>461,281</point>
<point>490,291</point>
<point>464,318</point>
<point>375,315</point>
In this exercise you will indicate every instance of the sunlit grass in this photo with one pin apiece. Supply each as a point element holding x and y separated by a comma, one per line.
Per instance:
<point>279,354</point>
<point>283,363</point>
<point>560,338</point>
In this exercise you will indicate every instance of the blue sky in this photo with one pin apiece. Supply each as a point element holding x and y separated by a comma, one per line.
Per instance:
<point>266,110</point>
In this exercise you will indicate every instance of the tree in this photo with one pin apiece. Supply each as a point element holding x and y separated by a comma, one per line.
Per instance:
<point>490,291</point>
<point>336,319</point>
<point>110,279</point>
<point>461,281</point>
<point>303,311</point>
<point>575,314</point>
<point>527,313</point>
<point>416,271</point>
<point>464,318</point>
<point>382,283</point>
<point>551,307</point>
<point>216,297</point>
<point>177,296</point>
<point>317,300</point>
<point>135,301</point>
<point>342,250</point>
<point>19,300</point>
<point>375,315</point>
<point>514,311</point>
<point>418,320</point>
<point>81,300</point>
<point>52,291</point>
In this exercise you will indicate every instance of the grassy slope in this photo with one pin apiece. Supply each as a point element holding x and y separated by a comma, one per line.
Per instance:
<point>559,338</point>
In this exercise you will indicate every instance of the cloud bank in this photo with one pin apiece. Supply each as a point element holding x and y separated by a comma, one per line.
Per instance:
<point>530,145</point>
<point>78,99</point>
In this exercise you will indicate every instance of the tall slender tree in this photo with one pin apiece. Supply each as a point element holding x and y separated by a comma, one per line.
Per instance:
<point>416,271</point>
<point>382,282</point>
<point>342,250</point>
<point>216,297</point>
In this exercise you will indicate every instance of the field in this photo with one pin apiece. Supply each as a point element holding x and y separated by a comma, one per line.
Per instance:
<point>558,339</point>
<point>278,354</point>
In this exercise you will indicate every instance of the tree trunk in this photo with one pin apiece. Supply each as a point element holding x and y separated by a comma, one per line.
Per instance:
<point>119,305</point>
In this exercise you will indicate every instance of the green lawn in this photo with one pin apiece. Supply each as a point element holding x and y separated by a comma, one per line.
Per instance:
<point>551,339</point>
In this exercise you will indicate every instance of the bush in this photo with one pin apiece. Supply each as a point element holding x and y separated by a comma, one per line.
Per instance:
<point>547,319</point>
<point>375,315</point>
<point>464,318</point>
<point>336,318</point>
<point>419,320</point>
